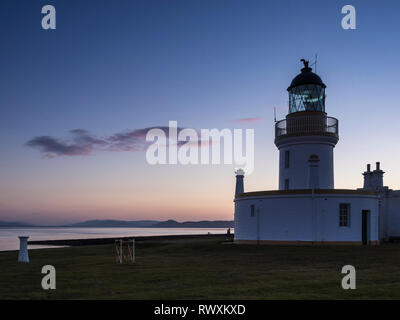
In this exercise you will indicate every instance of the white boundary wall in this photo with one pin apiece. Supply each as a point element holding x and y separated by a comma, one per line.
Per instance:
<point>304,217</point>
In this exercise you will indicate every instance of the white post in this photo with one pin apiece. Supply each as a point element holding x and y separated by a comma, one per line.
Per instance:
<point>23,250</point>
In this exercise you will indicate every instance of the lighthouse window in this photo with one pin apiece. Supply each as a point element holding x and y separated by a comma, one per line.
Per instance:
<point>252,210</point>
<point>287,154</point>
<point>344,215</point>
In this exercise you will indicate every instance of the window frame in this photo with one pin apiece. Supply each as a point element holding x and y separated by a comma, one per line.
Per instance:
<point>287,159</point>
<point>344,215</point>
<point>252,210</point>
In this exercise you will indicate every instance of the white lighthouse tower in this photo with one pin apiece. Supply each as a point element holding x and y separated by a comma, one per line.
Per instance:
<point>307,208</point>
<point>306,131</point>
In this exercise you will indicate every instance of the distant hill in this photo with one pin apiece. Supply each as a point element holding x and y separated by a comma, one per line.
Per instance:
<point>129,224</point>
<point>151,224</point>
<point>113,224</point>
<point>5,224</point>
<point>195,224</point>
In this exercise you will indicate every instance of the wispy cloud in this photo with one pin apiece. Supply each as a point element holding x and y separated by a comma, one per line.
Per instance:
<point>248,120</point>
<point>82,142</point>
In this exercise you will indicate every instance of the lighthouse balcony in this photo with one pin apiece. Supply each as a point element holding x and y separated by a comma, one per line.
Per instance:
<point>307,123</point>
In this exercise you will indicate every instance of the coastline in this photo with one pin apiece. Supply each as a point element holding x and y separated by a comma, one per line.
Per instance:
<point>111,240</point>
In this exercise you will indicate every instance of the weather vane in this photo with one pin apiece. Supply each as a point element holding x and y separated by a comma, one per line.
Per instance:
<point>305,62</point>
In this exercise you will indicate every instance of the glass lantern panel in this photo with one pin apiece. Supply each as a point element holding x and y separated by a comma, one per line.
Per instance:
<point>307,98</point>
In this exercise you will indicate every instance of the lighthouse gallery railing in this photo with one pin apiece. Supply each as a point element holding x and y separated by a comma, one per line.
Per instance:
<point>307,124</point>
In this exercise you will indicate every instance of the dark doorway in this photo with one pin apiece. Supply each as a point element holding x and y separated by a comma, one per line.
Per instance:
<point>365,226</point>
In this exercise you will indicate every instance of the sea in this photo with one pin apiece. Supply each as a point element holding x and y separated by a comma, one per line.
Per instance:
<point>9,236</point>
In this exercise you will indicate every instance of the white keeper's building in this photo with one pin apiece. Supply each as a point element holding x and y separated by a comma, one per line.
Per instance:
<point>307,208</point>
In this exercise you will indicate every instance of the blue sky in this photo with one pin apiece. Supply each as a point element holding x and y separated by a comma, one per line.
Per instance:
<point>113,66</point>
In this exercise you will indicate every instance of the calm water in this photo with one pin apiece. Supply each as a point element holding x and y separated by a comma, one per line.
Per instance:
<point>9,236</point>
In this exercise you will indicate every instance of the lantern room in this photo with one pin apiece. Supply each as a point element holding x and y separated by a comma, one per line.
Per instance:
<point>307,91</point>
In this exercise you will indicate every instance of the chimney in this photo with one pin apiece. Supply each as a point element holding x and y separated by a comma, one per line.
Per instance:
<point>367,178</point>
<point>313,174</point>
<point>377,177</point>
<point>373,180</point>
<point>239,182</point>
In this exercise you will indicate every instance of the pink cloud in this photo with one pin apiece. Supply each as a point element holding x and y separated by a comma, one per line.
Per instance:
<point>248,120</point>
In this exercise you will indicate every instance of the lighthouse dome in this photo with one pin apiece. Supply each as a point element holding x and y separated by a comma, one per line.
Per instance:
<point>306,77</point>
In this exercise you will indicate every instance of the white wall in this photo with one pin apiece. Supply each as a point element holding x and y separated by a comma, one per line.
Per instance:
<point>300,149</point>
<point>299,218</point>
<point>392,208</point>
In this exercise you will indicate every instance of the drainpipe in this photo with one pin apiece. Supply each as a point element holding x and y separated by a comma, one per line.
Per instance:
<point>313,183</point>
<point>313,174</point>
<point>258,224</point>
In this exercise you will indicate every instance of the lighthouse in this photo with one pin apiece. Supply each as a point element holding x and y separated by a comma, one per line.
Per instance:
<point>306,207</point>
<point>306,131</point>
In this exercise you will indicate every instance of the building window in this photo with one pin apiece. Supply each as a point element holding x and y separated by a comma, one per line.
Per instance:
<point>287,155</point>
<point>252,210</point>
<point>344,215</point>
<point>286,184</point>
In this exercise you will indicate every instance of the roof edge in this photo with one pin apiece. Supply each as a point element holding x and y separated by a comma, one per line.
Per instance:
<point>305,191</point>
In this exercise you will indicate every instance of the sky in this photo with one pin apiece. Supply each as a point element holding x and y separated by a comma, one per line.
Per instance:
<point>112,69</point>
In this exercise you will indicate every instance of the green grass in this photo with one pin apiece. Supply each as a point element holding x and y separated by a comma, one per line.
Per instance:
<point>205,269</point>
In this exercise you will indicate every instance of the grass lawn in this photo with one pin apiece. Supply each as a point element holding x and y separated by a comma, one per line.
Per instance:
<point>205,269</point>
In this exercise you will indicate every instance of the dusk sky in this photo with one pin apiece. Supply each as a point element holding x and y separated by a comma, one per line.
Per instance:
<point>116,68</point>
